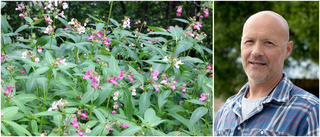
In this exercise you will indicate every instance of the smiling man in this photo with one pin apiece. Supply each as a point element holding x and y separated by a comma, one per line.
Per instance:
<point>269,104</point>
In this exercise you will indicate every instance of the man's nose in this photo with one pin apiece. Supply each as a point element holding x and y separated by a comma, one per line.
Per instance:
<point>257,49</point>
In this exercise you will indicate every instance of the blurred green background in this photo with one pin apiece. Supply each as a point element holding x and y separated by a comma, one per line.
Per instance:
<point>302,66</point>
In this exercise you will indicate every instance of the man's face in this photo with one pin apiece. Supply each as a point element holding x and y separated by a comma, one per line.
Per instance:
<point>263,48</point>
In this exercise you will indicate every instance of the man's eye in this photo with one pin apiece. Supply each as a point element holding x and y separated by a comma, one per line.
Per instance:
<point>269,43</point>
<point>249,41</point>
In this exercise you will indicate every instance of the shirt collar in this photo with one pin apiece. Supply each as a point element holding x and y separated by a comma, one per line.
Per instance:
<point>280,93</point>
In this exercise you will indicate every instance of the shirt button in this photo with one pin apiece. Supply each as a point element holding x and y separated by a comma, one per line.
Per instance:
<point>261,132</point>
<point>239,128</point>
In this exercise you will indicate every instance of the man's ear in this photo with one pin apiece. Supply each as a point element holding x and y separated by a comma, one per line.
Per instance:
<point>289,47</point>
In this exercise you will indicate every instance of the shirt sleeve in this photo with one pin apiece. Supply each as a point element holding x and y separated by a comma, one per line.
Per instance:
<point>313,121</point>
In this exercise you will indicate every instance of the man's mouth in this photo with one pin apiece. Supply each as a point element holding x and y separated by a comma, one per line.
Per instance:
<point>257,63</point>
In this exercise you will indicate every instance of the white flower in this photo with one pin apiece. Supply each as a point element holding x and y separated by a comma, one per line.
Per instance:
<point>65,5</point>
<point>88,130</point>
<point>71,22</point>
<point>36,60</point>
<point>177,64</point>
<point>165,58</point>
<point>24,55</point>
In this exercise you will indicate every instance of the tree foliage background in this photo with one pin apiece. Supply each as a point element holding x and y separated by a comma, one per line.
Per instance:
<point>229,17</point>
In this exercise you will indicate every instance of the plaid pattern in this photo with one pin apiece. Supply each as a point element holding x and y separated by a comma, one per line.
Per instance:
<point>287,111</point>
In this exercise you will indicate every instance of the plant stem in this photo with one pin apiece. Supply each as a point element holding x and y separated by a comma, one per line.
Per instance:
<point>101,131</point>
<point>109,16</point>
<point>206,124</point>
<point>47,91</point>
<point>109,100</point>
<point>91,108</point>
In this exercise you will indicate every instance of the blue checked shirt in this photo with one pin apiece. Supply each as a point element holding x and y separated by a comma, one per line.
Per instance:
<point>287,111</point>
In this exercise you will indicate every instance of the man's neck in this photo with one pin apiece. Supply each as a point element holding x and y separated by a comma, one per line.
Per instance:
<point>262,89</point>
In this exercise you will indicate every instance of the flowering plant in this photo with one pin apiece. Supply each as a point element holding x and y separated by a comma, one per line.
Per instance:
<point>103,79</point>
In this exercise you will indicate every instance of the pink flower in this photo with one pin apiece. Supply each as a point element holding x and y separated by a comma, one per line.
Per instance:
<point>156,87</point>
<point>24,55</point>
<point>48,19</point>
<point>168,29</point>
<point>205,34</point>
<point>114,81</point>
<point>80,132</point>
<point>39,48</point>
<point>155,75</point>
<point>65,5</point>
<point>62,62</point>
<point>19,8</point>
<point>6,92</point>
<point>84,115</point>
<point>48,29</point>
<point>200,16</point>
<point>209,67</point>
<point>124,126</point>
<point>126,23</point>
<point>174,87</point>
<point>134,92</point>
<point>99,35</point>
<point>131,77</point>
<point>150,41</point>
<point>198,26</point>
<point>113,112</point>
<point>91,37</point>
<point>54,106</point>
<point>191,35</point>
<point>184,89</point>
<point>106,42</point>
<point>66,28</point>
<point>121,75</point>
<point>165,81</point>
<point>74,123</point>
<point>116,94</point>
<point>206,12</point>
<point>94,85</point>
<point>110,130</point>
<point>62,14</point>
<point>23,72</point>
<point>136,23</point>
<point>36,60</point>
<point>88,130</point>
<point>21,15</point>
<point>179,11</point>
<point>60,103</point>
<point>203,97</point>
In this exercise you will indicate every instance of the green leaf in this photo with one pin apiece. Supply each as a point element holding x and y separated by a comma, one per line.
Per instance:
<point>97,130</point>
<point>93,17</point>
<point>30,63</point>
<point>150,116</point>
<point>3,4</point>
<point>38,21</point>
<point>194,101</point>
<point>24,98</point>
<point>114,22</point>
<point>39,71</point>
<point>43,40</point>
<point>131,53</point>
<point>48,57</point>
<point>65,67</point>
<point>182,46</point>
<point>113,65</point>
<point>127,103</point>
<point>144,103</point>
<point>28,19</point>
<point>181,20</point>
<point>103,95</point>
<point>66,93</point>
<point>21,106</point>
<point>188,59</point>
<point>160,33</point>
<point>31,85</point>
<point>21,28</point>
<point>17,127</point>
<point>5,27</point>
<point>47,113</point>
<point>162,98</point>
<point>4,129</point>
<point>9,112</point>
<point>64,22</point>
<point>34,126</point>
<point>42,83</point>
<point>20,45</point>
<point>130,131</point>
<point>197,114</point>
<point>100,116</point>
<point>180,118</point>
<point>70,36</point>
<point>157,29</point>
<point>87,97</point>
<point>99,26</point>
<point>57,120</point>
<point>158,50</point>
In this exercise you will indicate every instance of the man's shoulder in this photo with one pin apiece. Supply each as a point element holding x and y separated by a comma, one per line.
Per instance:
<point>300,94</point>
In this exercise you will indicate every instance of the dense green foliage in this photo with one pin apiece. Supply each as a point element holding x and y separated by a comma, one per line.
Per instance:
<point>105,75</point>
<point>229,17</point>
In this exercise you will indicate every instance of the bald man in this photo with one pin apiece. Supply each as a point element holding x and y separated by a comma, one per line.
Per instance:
<point>269,103</point>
